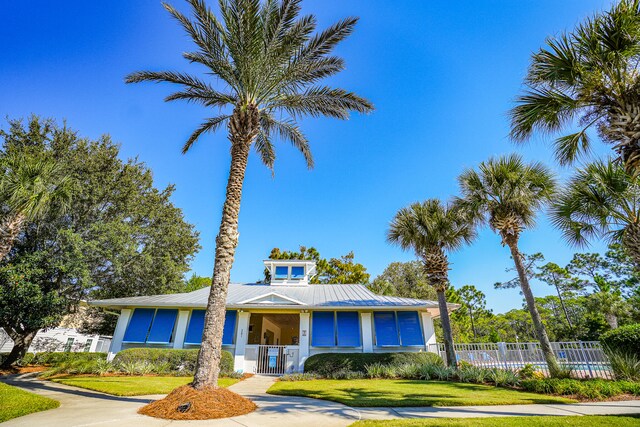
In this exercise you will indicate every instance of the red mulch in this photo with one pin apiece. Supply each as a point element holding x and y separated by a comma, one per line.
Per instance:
<point>22,370</point>
<point>187,403</point>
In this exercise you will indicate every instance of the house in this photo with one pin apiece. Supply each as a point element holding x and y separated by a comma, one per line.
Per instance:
<point>273,328</point>
<point>59,339</point>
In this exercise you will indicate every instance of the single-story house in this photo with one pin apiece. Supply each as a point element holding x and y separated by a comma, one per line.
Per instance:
<point>59,339</point>
<point>274,327</point>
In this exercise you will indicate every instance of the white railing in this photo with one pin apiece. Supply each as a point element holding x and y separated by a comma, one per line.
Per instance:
<point>585,359</point>
<point>272,360</point>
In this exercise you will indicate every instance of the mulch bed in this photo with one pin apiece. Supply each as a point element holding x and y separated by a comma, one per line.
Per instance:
<point>187,403</point>
<point>22,370</point>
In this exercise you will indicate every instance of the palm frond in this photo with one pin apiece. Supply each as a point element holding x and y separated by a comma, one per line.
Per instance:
<point>210,125</point>
<point>323,101</point>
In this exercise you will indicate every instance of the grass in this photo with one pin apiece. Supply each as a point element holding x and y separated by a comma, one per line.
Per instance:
<point>132,385</point>
<point>15,402</point>
<point>549,421</point>
<point>372,393</point>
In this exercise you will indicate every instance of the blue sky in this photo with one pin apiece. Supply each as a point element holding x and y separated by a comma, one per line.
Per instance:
<point>441,74</point>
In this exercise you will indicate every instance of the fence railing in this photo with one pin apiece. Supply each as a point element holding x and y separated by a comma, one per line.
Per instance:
<point>585,359</point>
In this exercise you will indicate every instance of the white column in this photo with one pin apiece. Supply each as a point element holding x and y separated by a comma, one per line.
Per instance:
<point>367,332</point>
<point>242,335</point>
<point>429,332</point>
<point>181,328</point>
<point>94,343</point>
<point>118,334</point>
<point>305,332</point>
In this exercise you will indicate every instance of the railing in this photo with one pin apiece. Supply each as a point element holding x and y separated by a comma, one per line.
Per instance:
<point>272,360</point>
<point>585,359</point>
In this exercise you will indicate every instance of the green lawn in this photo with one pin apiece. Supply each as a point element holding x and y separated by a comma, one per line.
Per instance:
<point>371,393</point>
<point>573,421</point>
<point>133,385</point>
<point>15,402</point>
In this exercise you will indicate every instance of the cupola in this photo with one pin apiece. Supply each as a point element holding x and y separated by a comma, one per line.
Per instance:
<point>290,272</point>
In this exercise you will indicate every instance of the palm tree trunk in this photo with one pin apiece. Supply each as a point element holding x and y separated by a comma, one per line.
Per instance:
<point>541,332</point>
<point>243,128</point>
<point>9,229</point>
<point>612,320</point>
<point>21,343</point>
<point>449,348</point>
<point>631,242</point>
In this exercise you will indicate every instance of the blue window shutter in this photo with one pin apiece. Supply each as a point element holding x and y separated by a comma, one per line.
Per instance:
<point>410,330</point>
<point>348,328</point>
<point>162,327</point>
<point>229,327</point>
<point>139,325</point>
<point>386,329</point>
<point>196,325</point>
<point>323,333</point>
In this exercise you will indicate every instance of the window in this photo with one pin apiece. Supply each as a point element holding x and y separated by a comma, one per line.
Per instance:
<point>148,325</point>
<point>410,330</point>
<point>348,328</point>
<point>398,329</point>
<point>196,326</point>
<point>331,329</point>
<point>386,328</point>
<point>87,345</point>
<point>282,272</point>
<point>297,272</point>
<point>68,345</point>
<point>162,327</point>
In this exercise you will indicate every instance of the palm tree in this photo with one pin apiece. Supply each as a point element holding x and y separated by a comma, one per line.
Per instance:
<point>432,230</point>
<point>507,194</point>
<point>590,77</point>
<point>266,62</point>
<point>29,188</point>
<point>600,201</point>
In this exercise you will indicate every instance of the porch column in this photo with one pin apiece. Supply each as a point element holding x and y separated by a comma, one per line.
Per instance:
<point>367,332</point>
<point>118,334</point>
<point>181,328</point>
<point>305,332</point>
<point>242,334</point>
<point>429,332</point>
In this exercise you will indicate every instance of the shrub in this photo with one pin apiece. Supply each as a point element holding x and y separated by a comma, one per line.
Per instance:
<point>625,339</point>
<point>59,358</point>
<point>527,372</point>
<point>299,377</point>
<point>177,361</point>
<point>502,377</point>
<point>326,363</point>
<point>625,366</point>
<point>586,389</point>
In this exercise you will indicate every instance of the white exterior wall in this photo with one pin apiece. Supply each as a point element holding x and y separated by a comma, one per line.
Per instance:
<point>55,340</point>
<point>118,334</point>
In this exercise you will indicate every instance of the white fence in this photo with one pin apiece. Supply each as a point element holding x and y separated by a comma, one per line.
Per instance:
<point>585,359</point>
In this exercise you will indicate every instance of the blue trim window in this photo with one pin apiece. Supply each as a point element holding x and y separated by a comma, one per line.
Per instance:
<point>139,324</point>
<point>396,329</point>
<point>410,329</point>
<point>196,326</point>
<point>282,272</point>
<point>162,327</point>
<point>348,329</point>
<point>297,272</point>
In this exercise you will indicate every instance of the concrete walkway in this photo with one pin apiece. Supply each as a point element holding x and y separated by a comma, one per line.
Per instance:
<point>81,407</point>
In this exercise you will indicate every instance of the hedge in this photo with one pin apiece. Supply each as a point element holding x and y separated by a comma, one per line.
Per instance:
<point>177,359</point>
<point>326,363</point>
<point>585,389</point>
<point>625,339</point>
<point>57,358</point>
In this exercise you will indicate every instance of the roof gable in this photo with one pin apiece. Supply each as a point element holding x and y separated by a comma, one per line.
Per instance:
<point>272,298</point>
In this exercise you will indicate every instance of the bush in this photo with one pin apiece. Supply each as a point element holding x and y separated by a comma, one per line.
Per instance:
<point>585,389</point>
<point>326,363</point>
<point>625,366</point>
<point>176,361</point>
<point>625,339</point>
<point>60,358</point>
<point>299,377</point>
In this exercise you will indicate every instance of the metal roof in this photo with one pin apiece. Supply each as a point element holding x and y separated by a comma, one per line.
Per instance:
<point>266,296</point>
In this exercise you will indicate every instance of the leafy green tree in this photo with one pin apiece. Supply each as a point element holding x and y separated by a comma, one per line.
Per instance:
<point>29,187</point>
<point>588,76</point>
<point>507,193</point>
<point>121,236</point>
<point>433,229</point>
<point>404,279</point>
<point>600,201</point>
<point>196,282</point>
<point>267,64</point>
<point>474,301</point>
<point>328,271</point>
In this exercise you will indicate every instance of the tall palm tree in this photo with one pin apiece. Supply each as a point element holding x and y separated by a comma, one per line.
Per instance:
<point>507,193</point>
<point>266,62</point>
<point>600,201</point>
<point>589,76</point>
<point>433,230</point>
<point>29,188</point>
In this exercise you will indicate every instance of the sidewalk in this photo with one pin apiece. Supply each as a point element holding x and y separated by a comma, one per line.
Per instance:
<point>80,407</point>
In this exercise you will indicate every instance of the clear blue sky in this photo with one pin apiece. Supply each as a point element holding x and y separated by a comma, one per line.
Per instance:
<point>442,75</point>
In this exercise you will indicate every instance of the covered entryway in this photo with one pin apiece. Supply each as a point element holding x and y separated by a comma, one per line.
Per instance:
<point>272,343</point>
